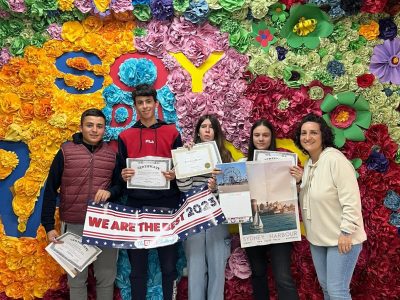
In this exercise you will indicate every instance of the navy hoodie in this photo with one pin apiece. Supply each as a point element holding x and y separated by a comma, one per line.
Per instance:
<point>157,140</point>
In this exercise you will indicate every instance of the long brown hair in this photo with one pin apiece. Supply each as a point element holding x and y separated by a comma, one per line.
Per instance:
<point>219,136</point>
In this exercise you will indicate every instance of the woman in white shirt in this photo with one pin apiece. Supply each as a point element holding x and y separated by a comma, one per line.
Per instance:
<point>331,207</point>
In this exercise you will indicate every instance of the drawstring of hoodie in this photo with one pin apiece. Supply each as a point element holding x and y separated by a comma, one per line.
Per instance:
<point>306,199</point>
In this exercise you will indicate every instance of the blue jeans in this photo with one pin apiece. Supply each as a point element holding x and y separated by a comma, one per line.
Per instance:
<point>206,255</point>
<point>335,270</point>
<point>280,255</point>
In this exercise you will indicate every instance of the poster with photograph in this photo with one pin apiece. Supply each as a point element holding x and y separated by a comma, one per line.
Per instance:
<point>274,205</point>
<point>234,193</point>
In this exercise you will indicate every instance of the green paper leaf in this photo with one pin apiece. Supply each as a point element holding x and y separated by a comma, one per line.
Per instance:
<point>354,133</point>
<point>327,119</point>
<point>329,103</point>
<point>346,98</point>
<point>363,119</point>
<point>294,40</point>
<point>357,162</point>
<point>361,104</point>
<point>339,137</point>
<point>311,42</point>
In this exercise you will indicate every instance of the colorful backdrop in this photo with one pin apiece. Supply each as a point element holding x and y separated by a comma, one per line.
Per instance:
<point>239,59</point>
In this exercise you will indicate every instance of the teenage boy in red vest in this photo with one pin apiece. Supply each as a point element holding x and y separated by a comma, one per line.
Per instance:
<point>84,169</point>
<point>150,137</point>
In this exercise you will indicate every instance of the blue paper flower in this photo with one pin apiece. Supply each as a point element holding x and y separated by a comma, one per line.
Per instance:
<point>394,219</point>
<point>336,68</point>
<point>123,271</point>
<point>107,111</point>
<point>281,52</point>
<point>377,161</point>
<point>114,95</point>
<point>137,71</point>
<point>387,29</point>
<point>166,98</point>
<point>392,200</point>
<point>197,11</point>
<point>162,9</point>
<point>138,2</point>
<point>121,114</point>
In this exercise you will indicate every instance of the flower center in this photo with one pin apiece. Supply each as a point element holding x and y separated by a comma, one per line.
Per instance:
<point>316,93</point>
<point>283,104</point>
<point>343,116</point>
<point>305,26</point>
<point>278,9</point>
<point>395,60</point>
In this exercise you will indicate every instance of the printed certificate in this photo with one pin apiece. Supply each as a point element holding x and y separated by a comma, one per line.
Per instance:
<point>72,255</point>
<point>201,159</point>
<point>148,173</point>
<point>263,155</point>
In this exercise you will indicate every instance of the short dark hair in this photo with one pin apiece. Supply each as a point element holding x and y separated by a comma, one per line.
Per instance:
<point>92,112</point>
<point>219,136</point>
<point>272,146</point>
<point>326,132</point>
<point>144,90</point>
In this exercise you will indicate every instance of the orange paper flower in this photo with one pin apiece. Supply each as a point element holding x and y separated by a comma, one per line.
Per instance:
<point>369,31</point>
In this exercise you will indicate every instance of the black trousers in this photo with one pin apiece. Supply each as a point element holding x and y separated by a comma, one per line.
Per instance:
<point>138,258</point>
<point>280,256</point>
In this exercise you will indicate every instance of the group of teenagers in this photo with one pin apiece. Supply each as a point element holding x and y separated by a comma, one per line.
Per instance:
<point>87,168</point>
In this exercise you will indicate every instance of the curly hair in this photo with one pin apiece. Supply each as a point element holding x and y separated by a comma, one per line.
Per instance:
<point>272,146</point>
<point>219,136</point>
<point>326,132</point>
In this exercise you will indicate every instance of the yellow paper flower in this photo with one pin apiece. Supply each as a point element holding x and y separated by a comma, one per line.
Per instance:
<point>72,30</point>
<point>9,102</point>
<point>369,31</point>
<point>92,24</point>
<point>79,63</point>
<point>78,82</point>
<point>66,5</point>
<point>102,5</point>
<point>8,162</point>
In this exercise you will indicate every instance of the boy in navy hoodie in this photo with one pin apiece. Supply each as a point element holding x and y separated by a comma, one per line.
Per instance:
<point>150,137</point>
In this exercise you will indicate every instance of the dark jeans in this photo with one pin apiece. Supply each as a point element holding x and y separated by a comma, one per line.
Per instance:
<point>138,258</point>
<point>280,255</point>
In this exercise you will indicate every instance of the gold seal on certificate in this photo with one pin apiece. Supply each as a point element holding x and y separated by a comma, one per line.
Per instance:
<point>148,173</point>
<point>201,159</point>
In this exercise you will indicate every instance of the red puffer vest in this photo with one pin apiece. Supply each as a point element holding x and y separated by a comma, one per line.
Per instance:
<point>84,173</point>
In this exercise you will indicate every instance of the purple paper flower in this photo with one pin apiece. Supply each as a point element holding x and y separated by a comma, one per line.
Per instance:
<point>17,6</point>
<point>281,52</point>
<point>162,9</point>
<point>377,161</point>
<point>83,5</point>
<point>55,31</point>
<point>121,6</point>
<point>5,57</point>
<point>4,14</point>
<point>385,61</point>
<point>387,29</point>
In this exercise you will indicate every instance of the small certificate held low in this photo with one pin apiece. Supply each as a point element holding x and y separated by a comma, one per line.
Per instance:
<point>72,255</point>
<point>148,173</point>
<point>199,160</point>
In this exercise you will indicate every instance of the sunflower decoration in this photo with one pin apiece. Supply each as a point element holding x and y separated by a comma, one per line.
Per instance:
<point>306,25</point>
<point>347,115</point>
